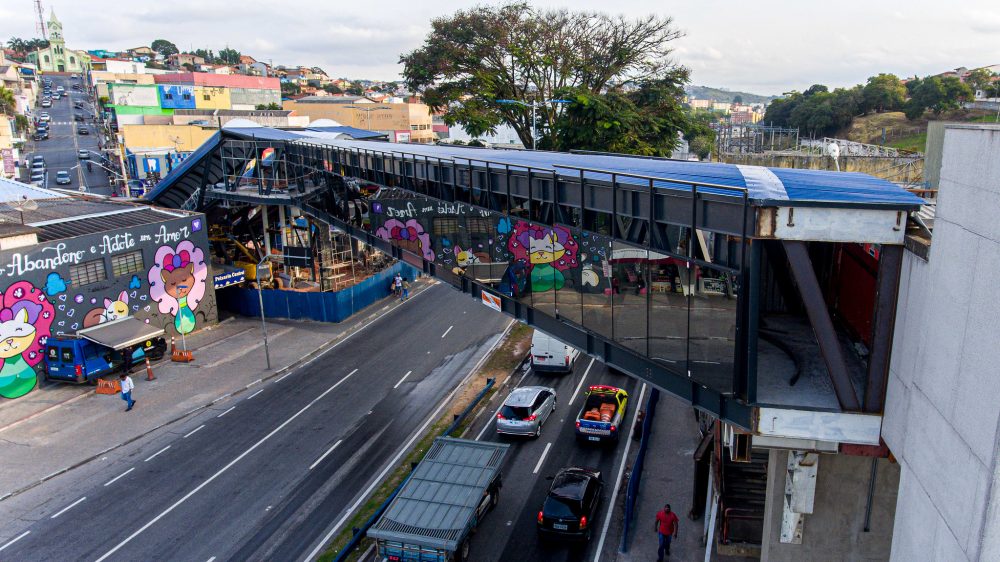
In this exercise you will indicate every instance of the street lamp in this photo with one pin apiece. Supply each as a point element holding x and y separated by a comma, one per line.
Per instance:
<point>368,111</point>
<point>260,297</point>
<point>534,106</point>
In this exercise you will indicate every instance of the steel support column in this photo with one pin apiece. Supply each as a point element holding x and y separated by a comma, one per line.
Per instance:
<point>883,324</point>
<point>819,317</point>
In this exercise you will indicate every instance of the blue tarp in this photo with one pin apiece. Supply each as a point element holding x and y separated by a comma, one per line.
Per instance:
<point>321,307</point>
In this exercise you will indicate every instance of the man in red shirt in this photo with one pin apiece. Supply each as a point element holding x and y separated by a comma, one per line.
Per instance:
<point>666,528</point>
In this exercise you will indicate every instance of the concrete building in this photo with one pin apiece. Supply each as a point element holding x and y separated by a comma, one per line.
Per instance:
<point>118,66</point>
<point>101,79</point>
<point>241,92</point>
<point>77,262</point>
<point>178,60</point>
<point>942,412</point>
<point>401,122</point>
<point>56,57</point>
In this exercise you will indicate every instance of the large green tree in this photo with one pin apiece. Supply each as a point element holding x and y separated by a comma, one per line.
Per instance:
<point>885,92</point>
<point>644,119</point>
<point>164,47</point>
<point>229,56</point>
<point>7,101</point>
<point>936,93</point>
<point>515,51</point>
<point>981,79</point>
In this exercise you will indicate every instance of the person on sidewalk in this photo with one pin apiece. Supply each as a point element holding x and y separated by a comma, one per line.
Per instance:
<point>406,289</point>
<point>666,528</point>
<point>127,386</point>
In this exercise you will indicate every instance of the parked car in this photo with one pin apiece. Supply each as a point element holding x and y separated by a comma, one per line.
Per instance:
<point>38,158</point>
<point>75,77</point>
<point>40,136</point>
<point>525,410</point>
<point>60,89</point>
<point>79,117</point>
<point>38,178</point>
<point>551,355</point>
<point>82,130</point>
<point>62,178</point>
<point>571,505</point>
<point>46,103</point>
<point>83,154</point>
<point>38,165</point>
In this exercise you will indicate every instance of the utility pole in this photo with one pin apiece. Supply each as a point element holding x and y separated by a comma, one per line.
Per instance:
<point>41,20</point>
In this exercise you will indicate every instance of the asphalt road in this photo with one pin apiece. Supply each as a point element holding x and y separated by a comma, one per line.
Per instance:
<point>508,533</point>
<point>61,148</point>
<point>266,474</point>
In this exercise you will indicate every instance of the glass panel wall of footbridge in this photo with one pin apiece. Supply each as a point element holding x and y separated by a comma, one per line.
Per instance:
<point>647,273</point>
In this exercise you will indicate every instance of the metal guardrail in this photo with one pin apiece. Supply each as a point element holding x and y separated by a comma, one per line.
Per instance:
<point>359,533</point>
<point>635,475</point>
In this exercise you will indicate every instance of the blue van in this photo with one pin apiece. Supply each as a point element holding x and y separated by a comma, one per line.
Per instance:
<point>99,351</point>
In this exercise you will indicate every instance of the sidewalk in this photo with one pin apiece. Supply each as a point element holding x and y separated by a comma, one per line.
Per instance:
<point>668,477</point>
<point>58,427</point>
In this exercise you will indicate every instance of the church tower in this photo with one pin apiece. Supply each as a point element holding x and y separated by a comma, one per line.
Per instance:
<point>55,29</point>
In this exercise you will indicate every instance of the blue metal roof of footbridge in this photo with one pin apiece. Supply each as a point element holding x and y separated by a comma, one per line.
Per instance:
<point>765,186</point>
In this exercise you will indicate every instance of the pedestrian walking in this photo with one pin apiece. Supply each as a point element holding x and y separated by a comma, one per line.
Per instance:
<point>666,529</point>
<point>127,386</point>
<point>406,289</point>
<point>398,280</point>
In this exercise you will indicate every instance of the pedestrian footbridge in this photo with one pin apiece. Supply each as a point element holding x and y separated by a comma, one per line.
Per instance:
<point>765,297</point>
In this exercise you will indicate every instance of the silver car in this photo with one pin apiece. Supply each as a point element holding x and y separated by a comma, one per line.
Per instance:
<point>525,410</point>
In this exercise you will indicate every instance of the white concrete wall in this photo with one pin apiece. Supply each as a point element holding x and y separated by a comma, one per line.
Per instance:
<point>943,402</point>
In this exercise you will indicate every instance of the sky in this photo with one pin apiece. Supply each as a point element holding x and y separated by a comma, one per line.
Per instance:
<point>764,47</point>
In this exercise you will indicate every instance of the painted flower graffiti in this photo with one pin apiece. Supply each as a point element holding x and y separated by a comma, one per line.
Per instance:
<point>25,321</point>
<point>548,252</point>
<point>177,282</point>
<point>409,236</point>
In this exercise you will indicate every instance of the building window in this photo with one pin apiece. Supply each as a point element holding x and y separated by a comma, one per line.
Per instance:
<point>444,226</point>
<point>167,96</point>
<point>72,60</point>
<point>87,272</point>
<point>186,97</point>
<point>478,225</point>
<point>46,58</point>
<point>123,264</point>
<point>206,97</point>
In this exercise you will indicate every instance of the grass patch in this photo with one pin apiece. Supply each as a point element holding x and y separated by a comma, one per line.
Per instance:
<point>500,364</point>
<point>915,143</point>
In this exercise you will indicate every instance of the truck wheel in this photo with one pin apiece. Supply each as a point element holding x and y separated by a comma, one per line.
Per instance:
<point>494,498</point>
<point>463,552</point>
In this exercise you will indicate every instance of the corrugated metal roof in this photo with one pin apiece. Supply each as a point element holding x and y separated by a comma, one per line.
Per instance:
<point>12,190</point>
<point>102,223</point>
<point>439,499</point>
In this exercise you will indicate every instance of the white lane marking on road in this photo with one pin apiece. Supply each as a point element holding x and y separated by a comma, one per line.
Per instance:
<point>446,331</point>
<point>193,431</point>
<point>490,421</point>
<point>408,373</point>
<point>221,471</point>
<point>226,412</point>
<point>153,456</point>
<point>212,559</point>
<point>579,386</point>
<point>115,479</point>
<point>285,376</point>
<point>399,454</point>
<point>621,470</point>
<point>541,459</point>
<point>323,456</point>
<point>17,538</point>
<point>68,507</point>
<point>255,394</point>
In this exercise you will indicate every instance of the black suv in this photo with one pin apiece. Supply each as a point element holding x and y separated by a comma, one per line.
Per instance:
<point>571,504</point>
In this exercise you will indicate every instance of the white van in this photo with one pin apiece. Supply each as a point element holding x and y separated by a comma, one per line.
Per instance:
<point>550,355</point>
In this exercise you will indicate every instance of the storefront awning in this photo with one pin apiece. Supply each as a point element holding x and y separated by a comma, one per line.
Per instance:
<point>119,334</point>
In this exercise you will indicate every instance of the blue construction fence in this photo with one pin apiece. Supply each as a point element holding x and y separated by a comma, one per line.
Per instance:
<point>321,307</point>
<point>635,476</point>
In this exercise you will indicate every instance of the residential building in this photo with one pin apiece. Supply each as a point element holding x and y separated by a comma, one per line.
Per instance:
<point>142,52</point>
<point>101,79</point>
<point>700,104</point>
<point>178,60</point>
<point>56,57</point>
<point>242,92</point>
<point>401,122</point>
<point>118,65</point>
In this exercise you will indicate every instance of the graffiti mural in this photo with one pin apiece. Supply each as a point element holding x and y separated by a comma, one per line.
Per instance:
<point>112,310</point>
<point>25,320</point>
<point>177,283</point>
<point>409,236</point>
<point>549,252</point>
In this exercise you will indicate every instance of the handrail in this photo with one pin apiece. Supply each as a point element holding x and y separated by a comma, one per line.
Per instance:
<point>695,184</point>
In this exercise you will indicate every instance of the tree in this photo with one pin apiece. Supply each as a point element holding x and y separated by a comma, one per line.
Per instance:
<point>884,92</point>
<point>981,80</point>
<point>267,106</point>
<point>514,51</point>
<point>229,56</point>
<point>355,89</point>
<point>188,67</point>
<point>7,102</point>
<point>290,88</point>
<point>939,94</point>
<point>164,47</point>
<point>332,88</point>
<point>642,120</point>
<point>17,45</point>
<point>738,99</point>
